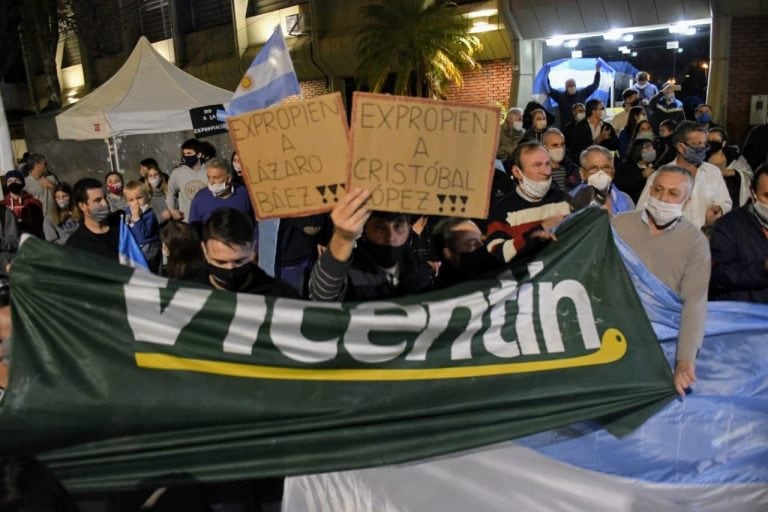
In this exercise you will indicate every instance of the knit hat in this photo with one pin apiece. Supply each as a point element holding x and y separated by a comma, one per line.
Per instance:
<point>18,175</point>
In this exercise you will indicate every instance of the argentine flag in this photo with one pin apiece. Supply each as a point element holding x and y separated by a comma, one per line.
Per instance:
<point>269,79</point>
<point>128,251</point>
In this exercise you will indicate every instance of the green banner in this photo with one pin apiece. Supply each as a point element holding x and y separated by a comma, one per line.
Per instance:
<point>119,378</point>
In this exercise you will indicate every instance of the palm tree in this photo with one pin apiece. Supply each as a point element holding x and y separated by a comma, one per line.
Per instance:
<point>422,45</point>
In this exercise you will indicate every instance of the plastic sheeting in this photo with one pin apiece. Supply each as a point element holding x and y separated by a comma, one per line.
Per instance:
<point>707,452</point>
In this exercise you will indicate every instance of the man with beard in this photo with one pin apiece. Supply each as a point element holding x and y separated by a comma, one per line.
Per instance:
<point>99,232</point>
<point>369,257</point>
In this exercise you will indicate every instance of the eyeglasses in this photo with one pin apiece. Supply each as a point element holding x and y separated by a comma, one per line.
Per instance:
<point>595,169</point>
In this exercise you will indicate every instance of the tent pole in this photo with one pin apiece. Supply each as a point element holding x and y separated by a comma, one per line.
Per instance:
<point>116,156</point>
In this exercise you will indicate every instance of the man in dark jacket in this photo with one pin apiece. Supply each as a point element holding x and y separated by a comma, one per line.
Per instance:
<point>231,260</point>
<point>592,131</point>
<point>739,245</point>
<point>572,95</point>
<point>369,257</point>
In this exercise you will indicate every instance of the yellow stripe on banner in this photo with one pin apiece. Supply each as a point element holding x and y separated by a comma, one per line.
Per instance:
<point>612,348</point>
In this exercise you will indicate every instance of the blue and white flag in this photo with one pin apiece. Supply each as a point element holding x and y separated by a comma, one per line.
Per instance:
<point>269,79</point>
<point>128,251</point>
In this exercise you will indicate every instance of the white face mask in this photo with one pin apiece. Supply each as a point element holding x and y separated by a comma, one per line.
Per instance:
<point>761,210</point>
<point>218,189</point>
<point>669,97</point>
<point>540,124</point>
<point>64,205</point>
<point>600,180</point>
<point>580,116</point>
<point>517,125</point>
<point>556,154</point>
<point>535,189</point>
<point>663,213</point>
<point>649,155</point>
<point>154,181</point>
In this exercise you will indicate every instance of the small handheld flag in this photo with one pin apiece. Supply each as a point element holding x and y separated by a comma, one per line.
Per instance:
<point>129,252</point>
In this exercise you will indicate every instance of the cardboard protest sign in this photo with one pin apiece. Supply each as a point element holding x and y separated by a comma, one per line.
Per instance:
<point>294,156</point>
<point>423,156</point>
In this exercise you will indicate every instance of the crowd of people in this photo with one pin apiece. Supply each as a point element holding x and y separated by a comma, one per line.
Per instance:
<point>692,207</point>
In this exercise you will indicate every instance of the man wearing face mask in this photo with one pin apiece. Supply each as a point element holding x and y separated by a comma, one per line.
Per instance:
<point>221,192</point>
<point>597,187</point>
<point>572,95</point>
<point>739,244</point>
<point>99,231</point>
<point>510,134</point>
<point>27,210</point>
<point>631,99</point>
<point>703,115</point>
<point>665,106</point>
<point>645,88</point>
<point>565,173</point>
<point>369,256</point>
<point>524,220</point>
<point>227,243</point>
<point>458,245</point>
<point>592,130</point>
<point>677,253</point>
<point>186,180</point>
<point>579,114</point>
<point>709,199</point>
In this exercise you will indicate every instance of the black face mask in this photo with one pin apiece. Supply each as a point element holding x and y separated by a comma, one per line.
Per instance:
<point>231,279</point>
<point>667,141</point>
<point>384,256</point>
<point>478,261</point>
<point>714,147</point>
<point>15,188</point>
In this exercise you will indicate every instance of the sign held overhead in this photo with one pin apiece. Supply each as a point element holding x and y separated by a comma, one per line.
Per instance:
<point>294,156</point>
<point>423,156</point>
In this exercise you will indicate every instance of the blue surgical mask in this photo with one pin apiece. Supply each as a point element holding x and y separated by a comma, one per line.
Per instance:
<point>694,156</point>
<point>704,118</point>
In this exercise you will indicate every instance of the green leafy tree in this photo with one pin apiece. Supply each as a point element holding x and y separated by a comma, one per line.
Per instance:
<point>414,47</point>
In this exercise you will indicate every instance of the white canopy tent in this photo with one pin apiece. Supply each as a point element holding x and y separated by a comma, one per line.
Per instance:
<point>147,95</point>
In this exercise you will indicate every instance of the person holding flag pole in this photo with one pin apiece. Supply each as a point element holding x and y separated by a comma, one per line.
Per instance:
<point>269,79</point>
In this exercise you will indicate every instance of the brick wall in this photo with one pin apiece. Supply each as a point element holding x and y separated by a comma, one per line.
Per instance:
<point>310,89</point>
<point>485,86</point>
<point>747,72</point>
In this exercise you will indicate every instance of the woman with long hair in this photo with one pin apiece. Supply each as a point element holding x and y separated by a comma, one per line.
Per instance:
<point>183,251</point>
<point>157,189</point>
<point>63,218</point>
